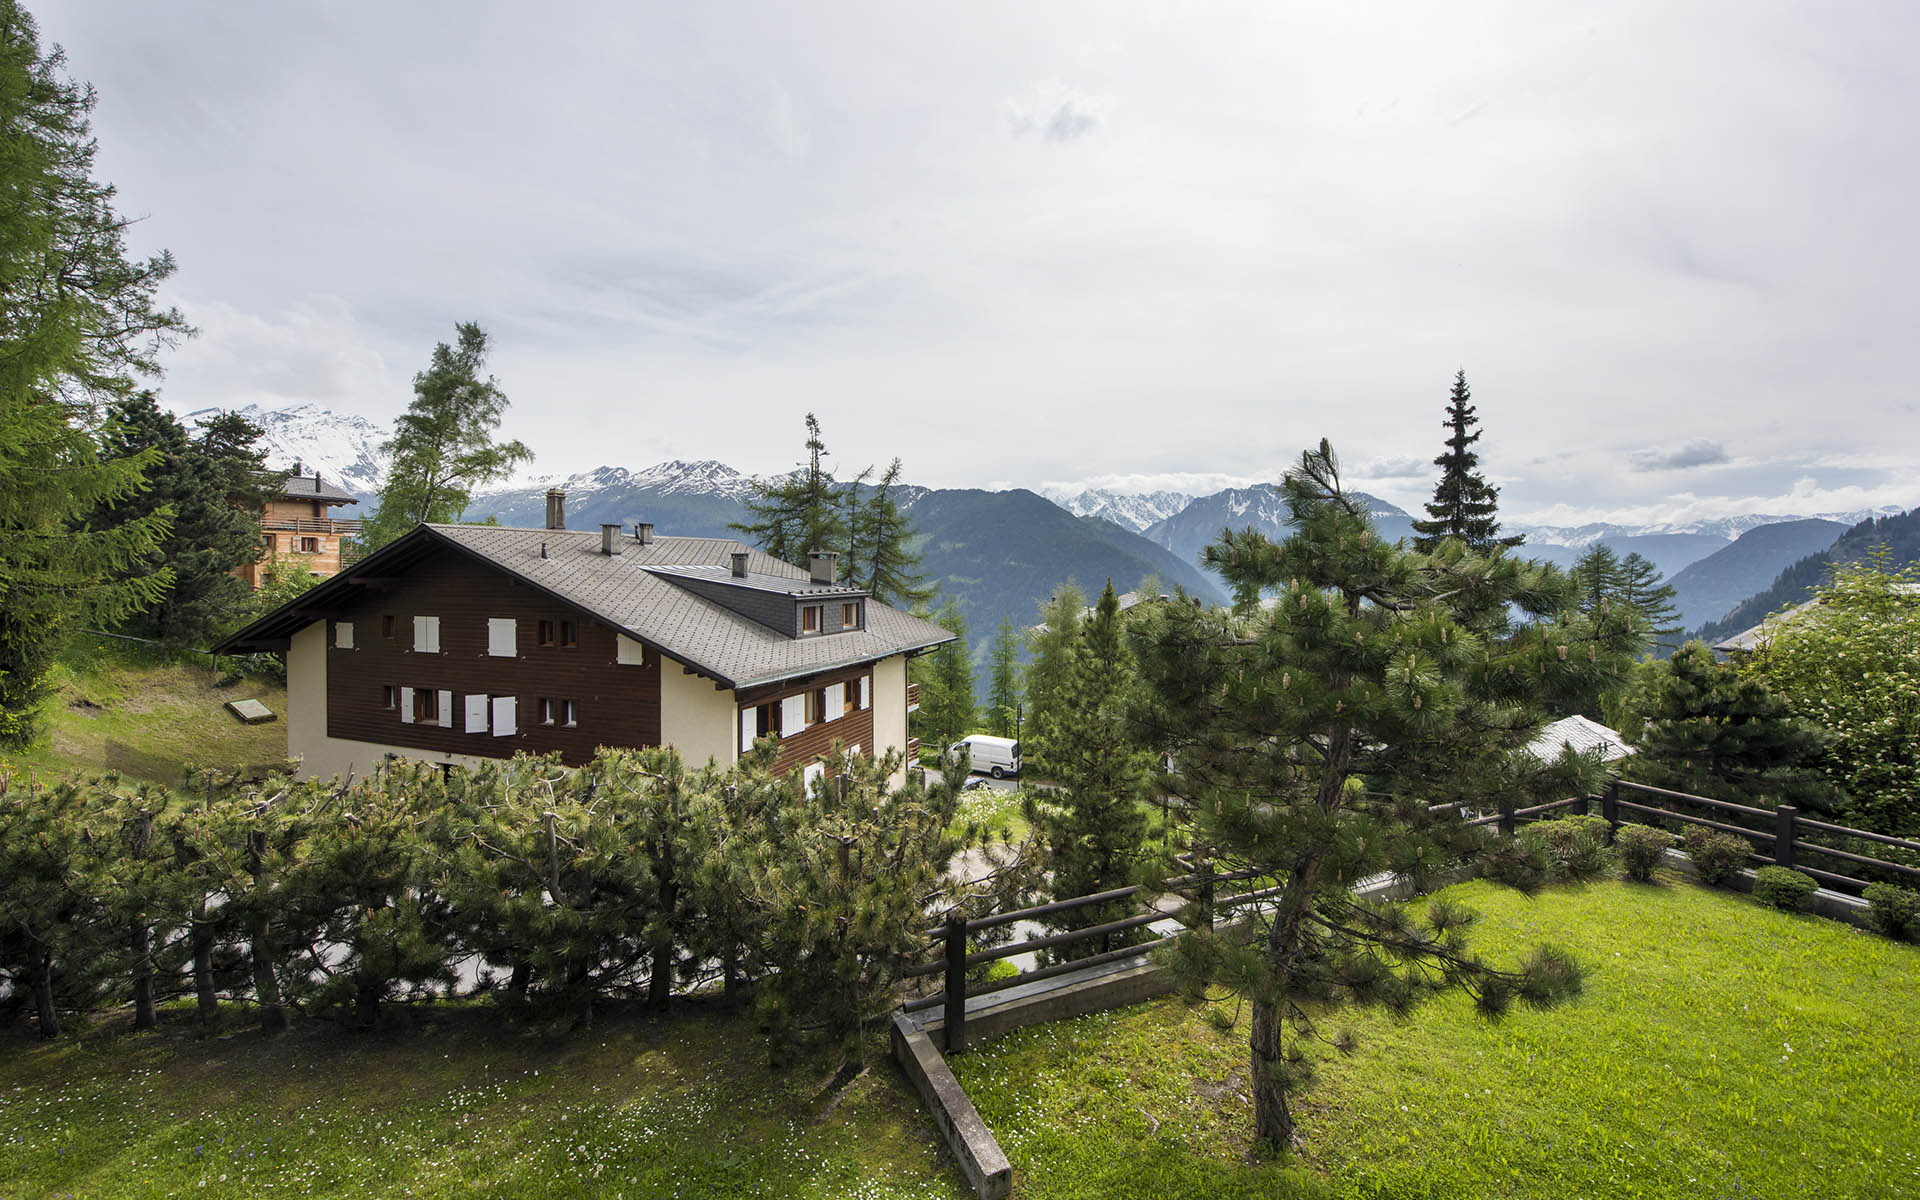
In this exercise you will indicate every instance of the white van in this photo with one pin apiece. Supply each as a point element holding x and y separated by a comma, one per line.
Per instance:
<point>997,756</point>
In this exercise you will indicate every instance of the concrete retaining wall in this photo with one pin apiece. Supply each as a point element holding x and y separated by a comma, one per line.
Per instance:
<point>972,1143</point>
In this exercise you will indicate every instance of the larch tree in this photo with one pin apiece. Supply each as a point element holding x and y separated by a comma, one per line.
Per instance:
<point>1003,681</point>
<point>880,543</point>
<point>800,512</point>
<point>1334,735</point>
<point>78,329</point>
<point>443,446</point>
<point>1464,504</point>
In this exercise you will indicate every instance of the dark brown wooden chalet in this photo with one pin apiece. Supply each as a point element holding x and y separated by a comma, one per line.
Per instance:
<point>464,642</point>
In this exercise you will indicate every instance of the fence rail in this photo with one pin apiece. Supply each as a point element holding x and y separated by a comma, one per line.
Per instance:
<point>312,525</point>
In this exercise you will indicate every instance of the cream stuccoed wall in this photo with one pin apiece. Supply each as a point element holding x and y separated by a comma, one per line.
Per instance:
<point>697,719</point>
<point>890,705</point>
<point>321,756</point>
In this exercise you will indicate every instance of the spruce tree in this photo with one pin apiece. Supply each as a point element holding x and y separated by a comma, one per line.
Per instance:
<point>880,555</point>
<point>1705,730</point>
<point>1333,737</point>
<point>1052,647</point>
<point>1463,504</point>
<point>443,445</point>
<point>1642,588</point>
<point>78,329</point>
<point>1003,681</point>
<point>1096,823</point>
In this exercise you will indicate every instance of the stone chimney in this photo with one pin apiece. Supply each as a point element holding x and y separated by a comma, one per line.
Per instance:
<point>739,564</point>
<point>296,468</point>
<point>556,509</point>
<point>610,539</point>
<point>820,566</point>
<point>643,532</point>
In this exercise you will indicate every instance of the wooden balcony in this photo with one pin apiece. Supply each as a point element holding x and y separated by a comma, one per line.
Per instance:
<point>312,525</point>
<point>913,750</point>
<point>913,697</point>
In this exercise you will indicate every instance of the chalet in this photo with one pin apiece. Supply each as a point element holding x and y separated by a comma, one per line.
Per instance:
<point>458,643</point>
<point>296,531</point>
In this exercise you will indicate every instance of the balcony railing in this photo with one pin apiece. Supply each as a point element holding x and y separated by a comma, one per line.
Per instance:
<point>312,525</point>
<point>913,697</point>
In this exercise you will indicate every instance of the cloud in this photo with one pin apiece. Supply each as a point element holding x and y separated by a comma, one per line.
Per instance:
<point>1700,452</point>
<point>1055,111</point>
<point>1400,466</point>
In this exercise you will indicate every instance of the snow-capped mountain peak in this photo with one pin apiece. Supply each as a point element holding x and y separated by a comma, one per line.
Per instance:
<point>1133,511</point>
<point>344,448</point>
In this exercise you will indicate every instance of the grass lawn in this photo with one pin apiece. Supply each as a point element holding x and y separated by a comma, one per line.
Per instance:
<point>1720,1050</point>
<point>461,1105</point>
<point>115,709</point>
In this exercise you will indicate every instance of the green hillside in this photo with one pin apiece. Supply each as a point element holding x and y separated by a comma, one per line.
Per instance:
<point>1900,535</point>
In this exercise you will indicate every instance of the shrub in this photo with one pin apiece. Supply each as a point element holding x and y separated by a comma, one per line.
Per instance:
<point>1717,856</point>
<point>1783,887</point>
<point>1515,863</point>
<point>1573,847</point>
<point>1641,848</point>
<point>1893,910</point>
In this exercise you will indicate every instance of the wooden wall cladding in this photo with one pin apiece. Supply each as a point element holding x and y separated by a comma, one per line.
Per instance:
<point>616,705</point>
<point>852,729</point>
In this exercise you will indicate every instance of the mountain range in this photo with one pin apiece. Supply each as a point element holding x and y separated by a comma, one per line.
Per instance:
<point>1001,554</point>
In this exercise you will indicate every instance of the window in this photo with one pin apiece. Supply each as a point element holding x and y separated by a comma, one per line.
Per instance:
<point>810,618</point>
<point>426,635</point>
<point>426,706</point>
<point>547,708</point>
<point>309,545</point>
<point>816,706</point>
<point>850,615</point>
<point>757,722</point>
<point>569,634</point>
<point>546,633</point>
<point>853,695</point>
<point>390,697</point>
<point>569,716</point>
<point>272,543</point>
<point>343,635</point>
<point>502,636</point>
<point>386,625</point>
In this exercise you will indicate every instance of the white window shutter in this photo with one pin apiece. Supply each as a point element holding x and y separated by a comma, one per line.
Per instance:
<point>503,716</point>
<point>446,710</point>
<point>836,702</point>
<point>476,714</point>
<point>343,634</point>
<point>866,692</point>
<point>793,715</point>
<point>813,771</point>
<point>426,635</point>
<point>502,636</point>
<point>406,705</point>
<point>749,721</point>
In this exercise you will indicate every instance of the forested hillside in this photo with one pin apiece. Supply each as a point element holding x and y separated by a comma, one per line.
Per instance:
<point>1900,535</point>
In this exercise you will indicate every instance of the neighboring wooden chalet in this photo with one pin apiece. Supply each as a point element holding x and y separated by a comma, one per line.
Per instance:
<point>297,533</point>
<point>463,642</point>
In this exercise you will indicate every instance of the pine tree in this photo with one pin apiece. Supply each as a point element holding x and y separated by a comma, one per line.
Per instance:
<point>443,446</point>
<point>1003,681</point>
<point>78,326</point>
<point>1463,504</point>
<point>1315,739</point>
<point>1704,730</point>
<point>1642,588</point>
<point>799,513</point>
<point>1096,823</point>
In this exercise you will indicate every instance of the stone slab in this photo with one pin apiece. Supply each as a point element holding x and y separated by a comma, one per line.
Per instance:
<point>251,712</point>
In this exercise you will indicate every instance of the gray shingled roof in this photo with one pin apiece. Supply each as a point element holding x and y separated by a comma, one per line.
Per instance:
<point>1585,736</point>
<point>312,487</point>
<point>620,590</point>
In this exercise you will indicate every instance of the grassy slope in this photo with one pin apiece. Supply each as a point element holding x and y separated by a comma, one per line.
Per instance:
<point>463,1106</point>
<point>114,709</point>
<point>1720,1050</point>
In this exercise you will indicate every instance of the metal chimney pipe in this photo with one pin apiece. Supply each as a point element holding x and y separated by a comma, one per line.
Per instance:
<point>556,509</point>
<point>610,539</point>
<point>740,564</point>
<point>643,532</point>
<point>821,566</point>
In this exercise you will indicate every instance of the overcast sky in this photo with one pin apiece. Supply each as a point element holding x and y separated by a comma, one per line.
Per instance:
<point>1673,245</point>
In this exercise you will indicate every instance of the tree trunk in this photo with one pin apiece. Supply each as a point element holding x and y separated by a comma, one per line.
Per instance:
<point>43,994</point>
<point>141,944</point>
<point>518,981</point>
<point>660,980</point>
<point>1272,1119</point>
<point>260,948</point>
<point>366,1003</point>
<point>207,999</point>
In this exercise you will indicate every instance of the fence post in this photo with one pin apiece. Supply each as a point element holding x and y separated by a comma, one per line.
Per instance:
<point>1506,818</point>
<point>1610,803</point>
<point>1783,819</point>
<point>956,983</point>
<point>1582,805</point>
